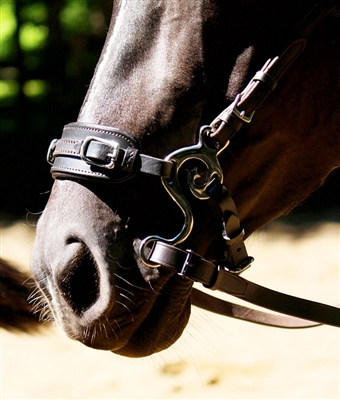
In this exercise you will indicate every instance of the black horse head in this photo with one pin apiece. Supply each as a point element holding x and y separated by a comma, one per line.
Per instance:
<point>168,68</point>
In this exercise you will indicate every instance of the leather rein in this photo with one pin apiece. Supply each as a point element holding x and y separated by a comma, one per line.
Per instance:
<point>108,154</point>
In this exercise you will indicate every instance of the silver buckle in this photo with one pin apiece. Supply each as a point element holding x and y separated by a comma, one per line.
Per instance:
<point>188,262</point>
<point>241,114</point>
<point>113,154</point>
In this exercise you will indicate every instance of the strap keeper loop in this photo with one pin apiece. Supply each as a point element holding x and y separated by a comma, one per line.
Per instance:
<point>261,76</point>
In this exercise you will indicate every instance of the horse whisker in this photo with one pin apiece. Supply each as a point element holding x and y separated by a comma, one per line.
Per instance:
<point>127,223</point>
<point>121,266</point>
<point>102,326</point>
<point>86,331</point>
<point>125,306</point>
<point>112,330</point>
<point>94,334</point>
<point>129,283</point>
<point>33,298</point>
<point>127,298</point>
<point>118,325</point>
<point>152,289</point>
<point>121,288</point>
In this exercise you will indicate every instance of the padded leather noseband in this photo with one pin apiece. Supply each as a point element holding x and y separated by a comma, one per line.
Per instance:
<point>96,152</point>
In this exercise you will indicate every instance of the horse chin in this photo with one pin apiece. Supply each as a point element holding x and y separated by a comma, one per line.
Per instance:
<point>161,328</point>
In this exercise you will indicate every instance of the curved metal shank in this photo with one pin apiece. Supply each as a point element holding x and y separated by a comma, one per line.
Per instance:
<point>204,154</point>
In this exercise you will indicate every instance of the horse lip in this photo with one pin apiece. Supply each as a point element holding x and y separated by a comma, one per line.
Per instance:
<point>100,330</point>
<point>159,329</point>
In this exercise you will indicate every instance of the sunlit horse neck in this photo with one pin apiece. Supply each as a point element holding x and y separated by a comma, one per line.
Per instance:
<point>149,74</point>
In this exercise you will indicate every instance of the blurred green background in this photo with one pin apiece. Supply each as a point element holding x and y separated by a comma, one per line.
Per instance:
<point>48,52</point>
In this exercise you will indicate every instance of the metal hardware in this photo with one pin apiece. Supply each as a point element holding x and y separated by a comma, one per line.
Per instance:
<point>243,266</point>
<point>236,256</point>
<point>201,152</point>
<point>50,157</point>
<point>113,155</point>
<point>241,114</point>
<point>206,155</point>
<point>187,263</point>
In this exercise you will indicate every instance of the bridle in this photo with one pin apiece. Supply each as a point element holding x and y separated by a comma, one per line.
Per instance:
<point>108,154</point>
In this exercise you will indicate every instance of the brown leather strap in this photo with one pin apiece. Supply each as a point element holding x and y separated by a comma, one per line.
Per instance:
<point>228,309</point>
<point>193,266</point>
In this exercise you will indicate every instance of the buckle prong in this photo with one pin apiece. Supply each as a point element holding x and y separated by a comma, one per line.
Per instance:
<point>241,114</point>
<point>112,155</point>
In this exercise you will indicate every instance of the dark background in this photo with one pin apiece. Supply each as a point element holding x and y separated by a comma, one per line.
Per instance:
<point>48,52</point>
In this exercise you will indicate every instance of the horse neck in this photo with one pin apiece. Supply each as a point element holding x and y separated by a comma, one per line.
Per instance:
<point>293,142</point>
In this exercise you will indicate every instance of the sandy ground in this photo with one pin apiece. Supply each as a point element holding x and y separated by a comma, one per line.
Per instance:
<point>216,358</point>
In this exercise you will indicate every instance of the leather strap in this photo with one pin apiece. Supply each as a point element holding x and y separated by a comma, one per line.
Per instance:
<point>235,255</point>
<point>228,309</point>
<point>264,82</point>
<point>191,265</point>
<point>90,151</point>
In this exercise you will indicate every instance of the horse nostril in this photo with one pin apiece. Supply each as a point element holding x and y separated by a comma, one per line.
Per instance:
<point>72,239</point>
<point>79,282</point>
